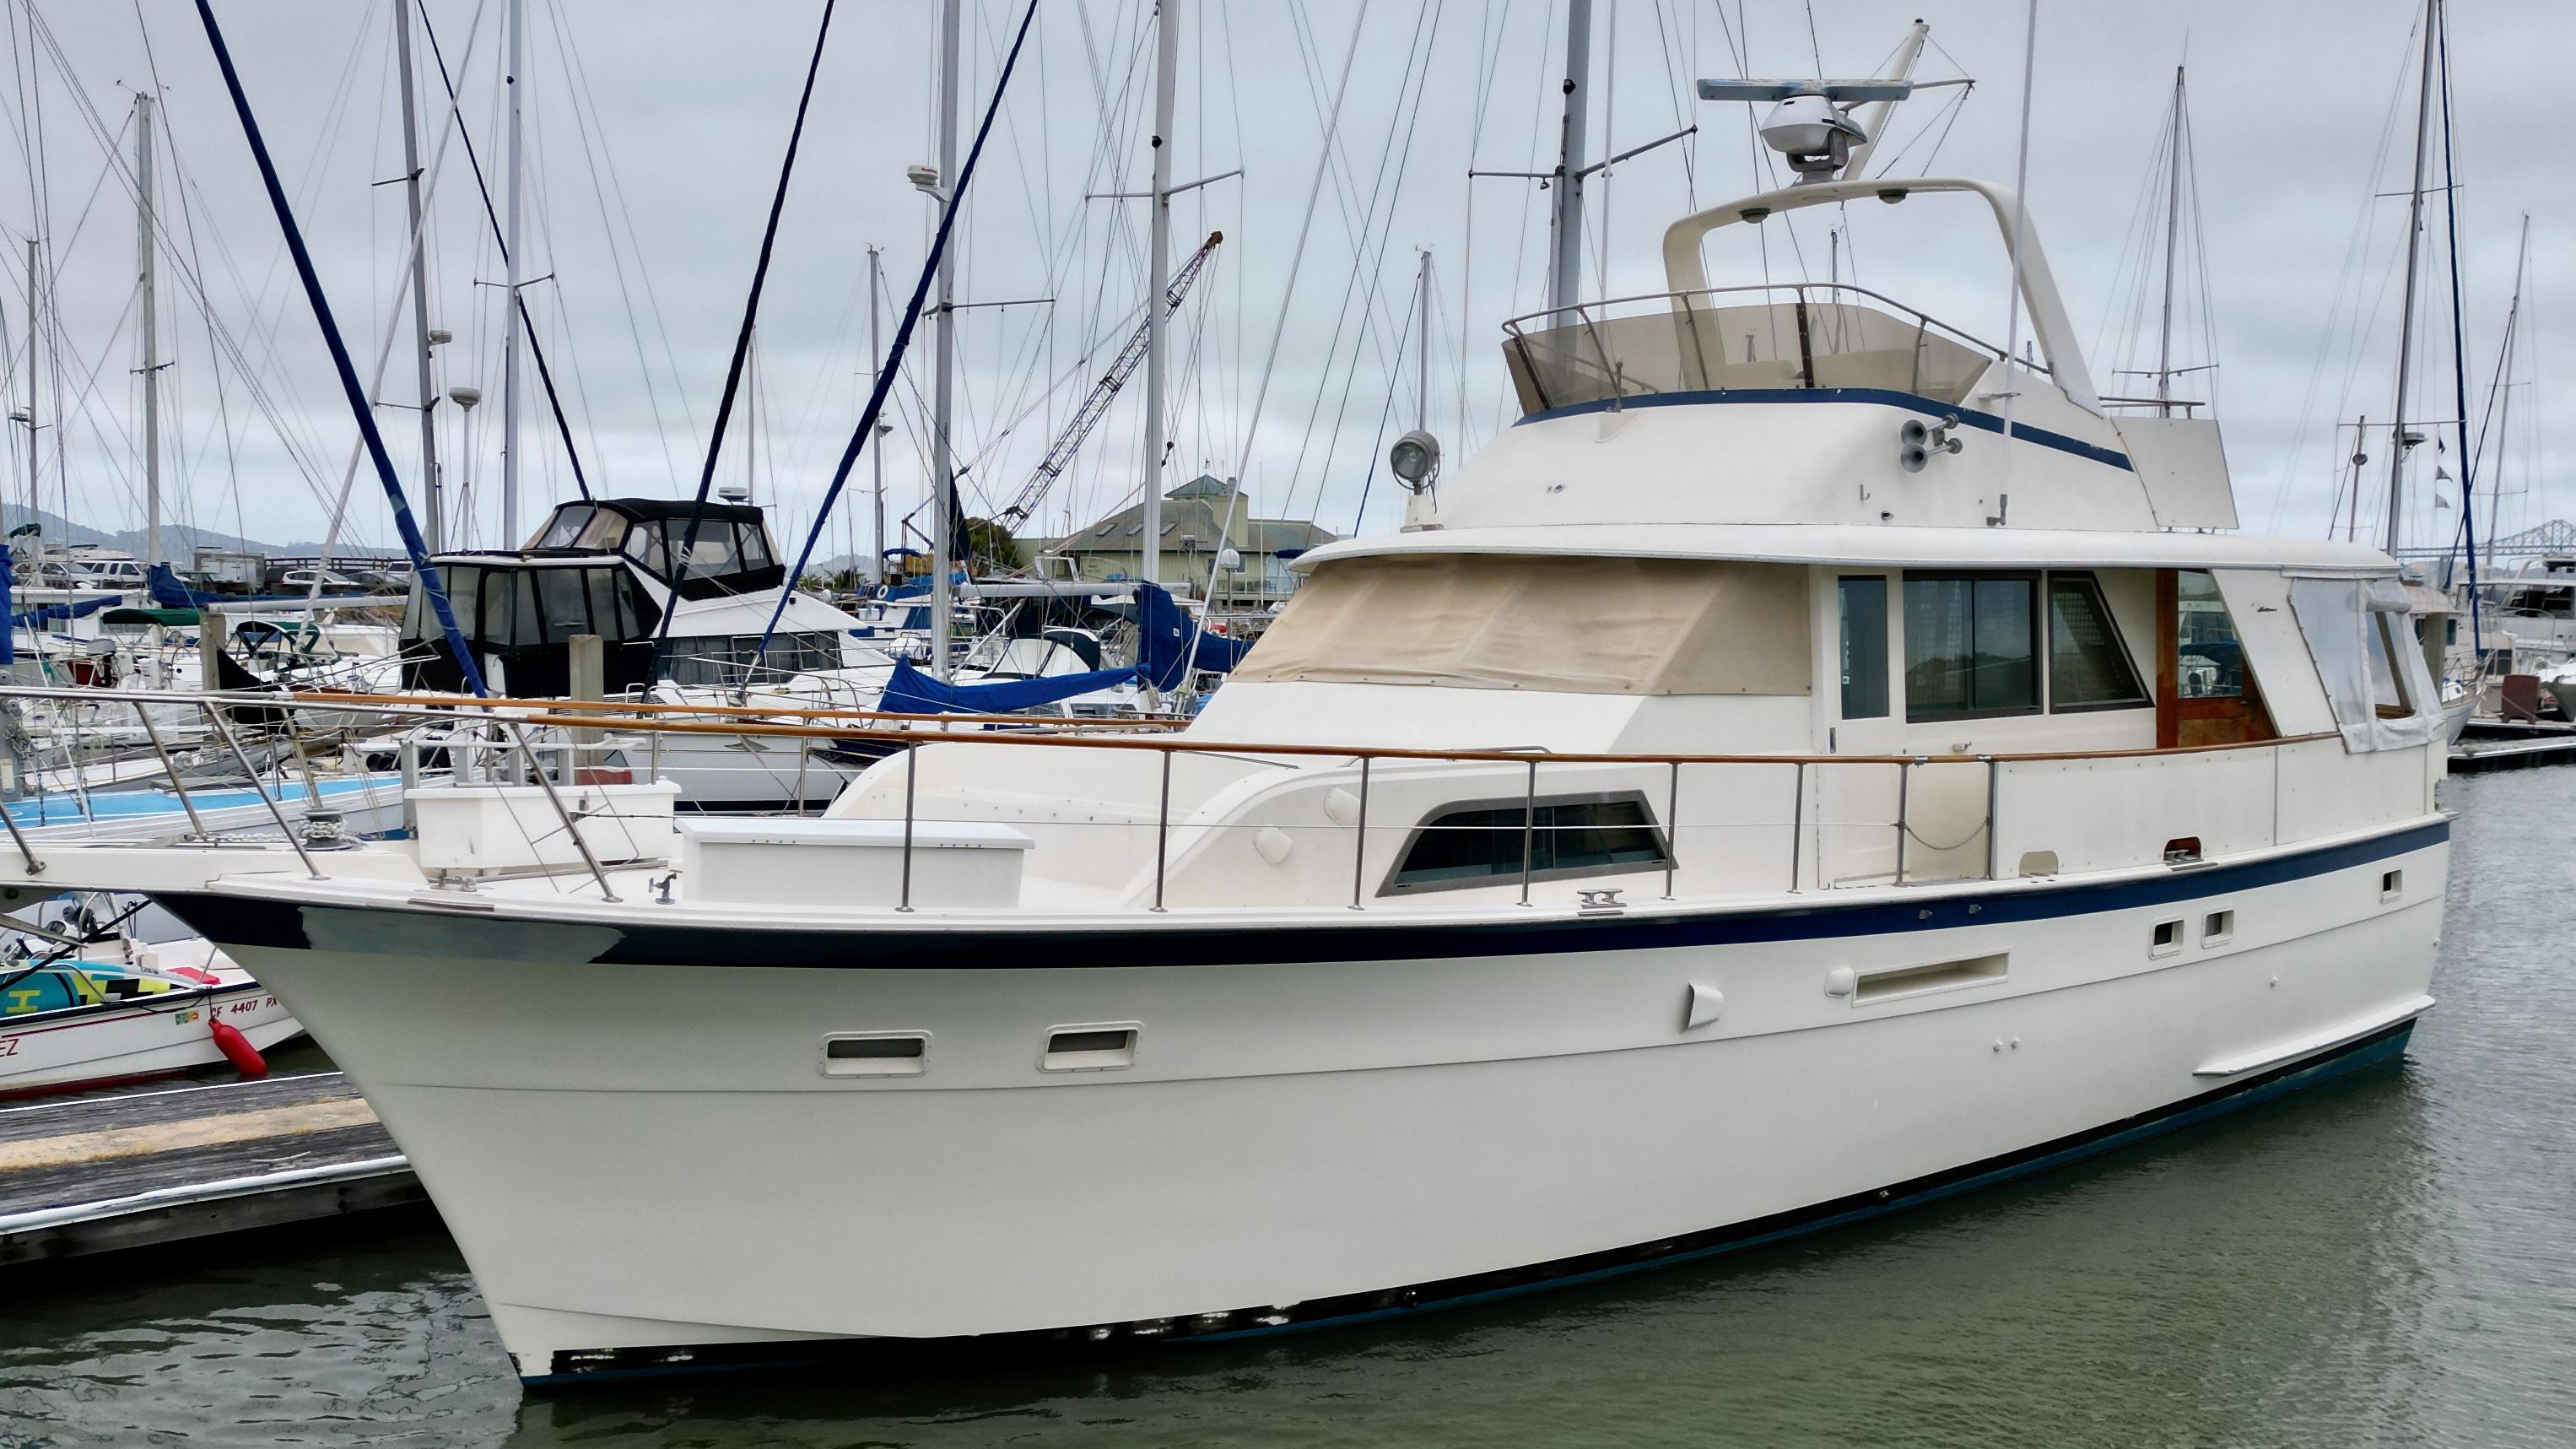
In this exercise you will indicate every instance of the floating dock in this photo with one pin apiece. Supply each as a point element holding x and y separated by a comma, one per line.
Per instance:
<point>96,1174</point>
<point>2486,745</point>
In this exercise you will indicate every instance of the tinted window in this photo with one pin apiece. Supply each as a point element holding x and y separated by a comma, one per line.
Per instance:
<point>1474,844</point>
<point>1971,646</point>
<point>2087,667</point>
<point>527,624</point>
<point>1864,605</point>
<point>563,602</point>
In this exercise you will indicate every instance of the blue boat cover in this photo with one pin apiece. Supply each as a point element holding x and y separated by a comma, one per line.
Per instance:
<point>1169,643</point>
<point>57,613</point>
<point>909,691</point>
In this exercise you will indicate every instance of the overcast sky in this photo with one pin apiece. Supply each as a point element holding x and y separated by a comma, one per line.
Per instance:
<point>655,133</point>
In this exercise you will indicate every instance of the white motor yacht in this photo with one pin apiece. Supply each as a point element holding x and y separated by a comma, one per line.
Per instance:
<point>1812,765</point>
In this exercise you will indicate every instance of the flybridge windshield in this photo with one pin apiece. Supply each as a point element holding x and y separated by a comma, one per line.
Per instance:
<point>731,554</point>
<point>1725,341</point>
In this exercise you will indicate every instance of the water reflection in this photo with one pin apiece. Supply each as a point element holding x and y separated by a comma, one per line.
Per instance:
<point>2386,1260</point>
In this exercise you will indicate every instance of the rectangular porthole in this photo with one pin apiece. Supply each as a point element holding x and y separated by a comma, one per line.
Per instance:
<point>1936,976</point>
<point>1101,1048</point>
<point>2167,938</point>
<point>2218,928</point>
<point>875,1053</point>
<point>2392,884</point>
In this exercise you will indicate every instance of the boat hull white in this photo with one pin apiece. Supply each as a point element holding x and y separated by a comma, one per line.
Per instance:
<point>651,1167</point>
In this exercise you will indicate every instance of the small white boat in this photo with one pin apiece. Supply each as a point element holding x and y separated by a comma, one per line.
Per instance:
<point>128,1010</point>
<point>2561,685</point>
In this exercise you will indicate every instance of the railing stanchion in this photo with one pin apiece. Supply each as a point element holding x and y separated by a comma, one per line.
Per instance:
<point>1904,786</point>
<point>196,825</point>
<point>571,825</point>
<point>34,866</point>
<point>911,767</point>
<point>407,760</point>
<point>1162,828</point>
<point>1672,825</point>
<point>1529,828</point>
<point>1797,822</point>
<point>222,727</point>
<point>1994,792</point>
<point>1359,835</point>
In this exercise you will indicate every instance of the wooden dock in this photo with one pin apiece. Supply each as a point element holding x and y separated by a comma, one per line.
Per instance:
<point>95,1174</point>
<point>2486,745</point>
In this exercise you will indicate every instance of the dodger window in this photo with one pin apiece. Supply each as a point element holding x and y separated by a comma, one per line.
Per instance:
<point>1567,836</point>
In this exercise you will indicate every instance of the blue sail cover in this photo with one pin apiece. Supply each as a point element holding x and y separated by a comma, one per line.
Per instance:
<point>8,586</point>
<point>1169,643</point>
<point>59,613</point>
<point>909,691</point>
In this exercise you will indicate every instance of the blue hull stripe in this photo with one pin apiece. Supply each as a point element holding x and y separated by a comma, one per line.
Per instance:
<point>1365,936</point>
<point>1886,397</point>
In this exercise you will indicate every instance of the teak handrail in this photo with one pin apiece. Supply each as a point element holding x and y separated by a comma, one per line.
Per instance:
<point>567,714</point>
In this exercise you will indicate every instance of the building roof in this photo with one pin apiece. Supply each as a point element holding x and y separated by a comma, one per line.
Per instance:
<point>1202,514</point>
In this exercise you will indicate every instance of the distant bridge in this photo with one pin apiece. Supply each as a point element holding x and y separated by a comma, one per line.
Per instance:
<point>2556,537</point>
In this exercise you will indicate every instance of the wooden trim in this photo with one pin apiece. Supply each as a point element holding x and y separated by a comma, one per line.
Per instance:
<point>1025,731</point>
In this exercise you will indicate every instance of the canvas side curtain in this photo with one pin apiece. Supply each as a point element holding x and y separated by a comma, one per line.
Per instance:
<point>1576,625</point>
<point>2341,620</point>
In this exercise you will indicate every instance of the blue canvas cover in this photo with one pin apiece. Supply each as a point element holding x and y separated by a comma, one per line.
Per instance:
<point>1169,643</point>
<point>909,691</point>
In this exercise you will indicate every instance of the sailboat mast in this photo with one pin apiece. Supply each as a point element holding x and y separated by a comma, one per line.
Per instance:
<point>430,484</point>
<point>35,475</point>
<point>150,330</point>
<point>1422,344</point>
<point>510,292</point>
<point>1565,259</point>
<point>1158,309</point>
<point>2414,259</point>
<point>943,480</point>
<point>2501,391</point>
<point>2173,231</point>
<point>876,445</point>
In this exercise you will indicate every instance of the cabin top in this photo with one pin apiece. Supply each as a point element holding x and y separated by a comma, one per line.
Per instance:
<point>731,554</point>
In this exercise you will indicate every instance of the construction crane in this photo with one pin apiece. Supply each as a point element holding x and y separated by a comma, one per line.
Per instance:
<point>1059,454</point>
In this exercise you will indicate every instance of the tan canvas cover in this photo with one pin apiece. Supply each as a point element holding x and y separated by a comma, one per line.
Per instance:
<point>1580,625</point>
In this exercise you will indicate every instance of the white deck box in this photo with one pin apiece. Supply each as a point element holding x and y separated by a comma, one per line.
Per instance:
<point>788,861</point>
<point>515,827</point>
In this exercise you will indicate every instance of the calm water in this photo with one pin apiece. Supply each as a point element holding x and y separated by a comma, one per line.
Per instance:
<point>2391,1260</point>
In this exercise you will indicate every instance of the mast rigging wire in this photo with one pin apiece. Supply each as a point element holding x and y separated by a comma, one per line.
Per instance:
<point>866,429</point>
<point>679,566</point>
<point>347,370</point>
<point>527,324</point>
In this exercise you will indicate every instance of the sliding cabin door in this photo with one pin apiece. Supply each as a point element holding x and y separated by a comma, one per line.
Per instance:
<point>1854,807</point>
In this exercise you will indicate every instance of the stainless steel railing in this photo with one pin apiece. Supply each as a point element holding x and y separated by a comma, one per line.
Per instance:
<point>537,740</point>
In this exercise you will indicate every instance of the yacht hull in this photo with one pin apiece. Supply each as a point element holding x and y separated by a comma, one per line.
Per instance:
<point>647,1165</point>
